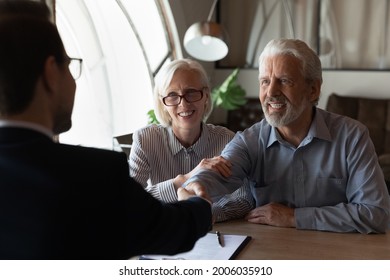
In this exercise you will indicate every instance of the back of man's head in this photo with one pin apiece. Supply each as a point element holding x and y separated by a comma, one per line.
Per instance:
<point>25,7</point>
<point>25,44</point>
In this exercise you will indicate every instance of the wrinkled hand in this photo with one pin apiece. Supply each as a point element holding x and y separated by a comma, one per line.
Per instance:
<point>274,214</point>
<point>193,189</point>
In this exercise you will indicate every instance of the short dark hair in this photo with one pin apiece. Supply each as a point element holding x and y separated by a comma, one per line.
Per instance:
<point>25,45</point>
<point>25,7</point>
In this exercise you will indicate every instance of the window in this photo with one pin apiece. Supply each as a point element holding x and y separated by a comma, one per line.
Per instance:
<point>123,45</point>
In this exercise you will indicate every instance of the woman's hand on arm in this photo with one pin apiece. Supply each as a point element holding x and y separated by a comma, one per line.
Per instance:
<point>217,164</point>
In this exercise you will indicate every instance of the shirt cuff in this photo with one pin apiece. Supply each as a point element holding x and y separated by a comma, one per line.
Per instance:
<point>218,214</point>
<point>167,191</point>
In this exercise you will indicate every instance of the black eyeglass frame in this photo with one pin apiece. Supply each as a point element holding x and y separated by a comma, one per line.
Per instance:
<point>184,96</point>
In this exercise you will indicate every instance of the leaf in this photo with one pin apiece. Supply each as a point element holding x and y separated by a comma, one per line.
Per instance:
<point>152,117</point>
<point>229,95</point>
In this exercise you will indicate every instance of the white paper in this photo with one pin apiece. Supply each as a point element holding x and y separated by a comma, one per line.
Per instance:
<point>207,248</point>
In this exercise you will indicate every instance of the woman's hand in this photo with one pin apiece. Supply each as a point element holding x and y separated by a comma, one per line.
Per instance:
<point>217,164</point>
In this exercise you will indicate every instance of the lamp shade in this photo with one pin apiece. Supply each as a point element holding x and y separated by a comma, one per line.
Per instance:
<point>206,41</point>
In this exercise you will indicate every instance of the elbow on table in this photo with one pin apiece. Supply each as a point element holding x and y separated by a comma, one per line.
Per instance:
<point>379,223</point>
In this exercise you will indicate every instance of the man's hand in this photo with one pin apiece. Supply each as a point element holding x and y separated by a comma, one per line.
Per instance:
<point>193,189</point>
<point>274,214</point>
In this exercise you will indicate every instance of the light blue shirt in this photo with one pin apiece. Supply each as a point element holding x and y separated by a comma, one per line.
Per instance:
<point>333,179</point>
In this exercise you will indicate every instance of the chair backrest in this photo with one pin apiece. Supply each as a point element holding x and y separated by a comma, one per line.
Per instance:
<point>373,113</point>
<point>124,142</point>
<point>246,116</point>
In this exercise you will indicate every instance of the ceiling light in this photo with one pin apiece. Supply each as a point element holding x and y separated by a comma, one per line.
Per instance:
<point>206,40</point>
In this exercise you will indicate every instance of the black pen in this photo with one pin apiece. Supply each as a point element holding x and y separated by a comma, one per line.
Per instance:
<point>219,237</point>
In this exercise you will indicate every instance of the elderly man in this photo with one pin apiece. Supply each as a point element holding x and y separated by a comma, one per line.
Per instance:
<point>311,169</point>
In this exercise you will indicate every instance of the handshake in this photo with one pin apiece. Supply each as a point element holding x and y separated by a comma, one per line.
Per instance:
<point>217,164</point>
<point>193,189</point>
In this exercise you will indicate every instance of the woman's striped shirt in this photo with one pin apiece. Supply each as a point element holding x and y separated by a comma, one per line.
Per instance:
<point>157,157</point>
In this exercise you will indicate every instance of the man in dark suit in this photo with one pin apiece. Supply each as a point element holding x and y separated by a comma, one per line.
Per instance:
<point>60,201</point>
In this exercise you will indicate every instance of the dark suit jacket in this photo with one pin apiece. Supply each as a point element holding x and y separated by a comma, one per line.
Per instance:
<point>70,202</point>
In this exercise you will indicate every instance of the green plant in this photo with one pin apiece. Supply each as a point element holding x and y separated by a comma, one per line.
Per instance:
<point>229,95</point>
<point>152,117</point>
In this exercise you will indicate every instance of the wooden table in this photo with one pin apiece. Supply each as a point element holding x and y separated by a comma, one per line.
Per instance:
<point>275,243</point>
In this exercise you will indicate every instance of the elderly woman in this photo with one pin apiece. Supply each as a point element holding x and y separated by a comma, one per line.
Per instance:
<point>164,156</point>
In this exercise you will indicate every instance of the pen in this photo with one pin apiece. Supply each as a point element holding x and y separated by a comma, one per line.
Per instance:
<point>219,237</point>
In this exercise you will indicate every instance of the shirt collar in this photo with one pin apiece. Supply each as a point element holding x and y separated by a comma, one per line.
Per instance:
<point>203,142</point>
<point>318,129</point>
<point>273,136</point>
<point>28,125</point>
<point>200,145</point>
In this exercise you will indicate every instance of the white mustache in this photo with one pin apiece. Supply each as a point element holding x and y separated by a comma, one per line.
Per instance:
<point>276,99</point>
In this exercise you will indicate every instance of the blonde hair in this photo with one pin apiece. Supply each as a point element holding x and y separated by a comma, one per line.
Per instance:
<point>164,78</point>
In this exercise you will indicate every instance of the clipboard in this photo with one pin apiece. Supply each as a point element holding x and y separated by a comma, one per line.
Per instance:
<point>208,248</point>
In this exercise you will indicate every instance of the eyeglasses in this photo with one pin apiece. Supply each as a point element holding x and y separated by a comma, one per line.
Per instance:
<point>190,96</point>
<point>75,66</point>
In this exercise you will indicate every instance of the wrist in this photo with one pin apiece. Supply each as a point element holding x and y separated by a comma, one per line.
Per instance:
<point>179,181</point>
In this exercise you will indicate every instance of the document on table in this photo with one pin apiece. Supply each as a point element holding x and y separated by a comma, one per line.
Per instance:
<point>208,248</point>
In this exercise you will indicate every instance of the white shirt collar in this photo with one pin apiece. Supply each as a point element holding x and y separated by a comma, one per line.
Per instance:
<point>29,125</point>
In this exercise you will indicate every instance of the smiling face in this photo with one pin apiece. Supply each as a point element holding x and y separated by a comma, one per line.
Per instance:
<point>286,96</point>
<point>186,115</point>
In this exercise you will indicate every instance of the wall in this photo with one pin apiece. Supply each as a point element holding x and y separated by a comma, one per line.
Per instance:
<point>374,84</point>
<point>354,83</point>
<point>187,12</point>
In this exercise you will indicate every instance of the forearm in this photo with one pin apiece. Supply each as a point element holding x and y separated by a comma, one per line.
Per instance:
<point>179,180</point>
<point>162,228</point>
<point>215,184</point>
<point>343,218</point>
<point>164,191</point>
<point>235,205</point>
<point>225,209</point>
